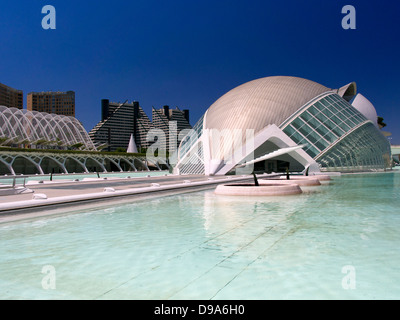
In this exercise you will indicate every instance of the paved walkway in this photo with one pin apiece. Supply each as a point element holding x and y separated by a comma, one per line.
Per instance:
<point>64,188</point>
<point>58,195</point>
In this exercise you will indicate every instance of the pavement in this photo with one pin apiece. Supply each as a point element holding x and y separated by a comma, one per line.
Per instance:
<point>48,197</point>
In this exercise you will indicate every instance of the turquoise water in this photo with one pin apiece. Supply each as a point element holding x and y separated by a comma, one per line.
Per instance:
<point>336,241</point>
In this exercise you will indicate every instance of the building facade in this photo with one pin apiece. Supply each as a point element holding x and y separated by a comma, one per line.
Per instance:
<point>56,102</point>
<point>121,121</point>
<point>118,122</point>
<point>294,123</point>
<point>171,122</point>
<point>10,97</point>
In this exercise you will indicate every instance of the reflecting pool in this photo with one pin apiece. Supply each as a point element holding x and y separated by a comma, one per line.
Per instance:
<point>335,241</point>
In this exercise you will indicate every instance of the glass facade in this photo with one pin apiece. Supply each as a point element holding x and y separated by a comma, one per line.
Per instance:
<point>191,138</point>
<point>363,150</point>
<point>192,163</point>
<point>328,121</point>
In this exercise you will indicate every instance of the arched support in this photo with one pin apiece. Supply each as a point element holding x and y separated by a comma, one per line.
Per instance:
<point>37,166</point>
<point>9,166</point>
<point>99,163</point>
<point>76,161</point>
<point>114,162</point>
<point>131,164</point>
<point>55,160</point>
<point>142,163</point>
<point>163,162</point>
<point>154,163</point>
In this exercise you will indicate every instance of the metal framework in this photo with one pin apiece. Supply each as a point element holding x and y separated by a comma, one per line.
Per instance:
<point>24,127</point>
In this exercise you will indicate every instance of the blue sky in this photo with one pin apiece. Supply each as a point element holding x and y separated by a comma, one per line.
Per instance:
<point>188,53</point>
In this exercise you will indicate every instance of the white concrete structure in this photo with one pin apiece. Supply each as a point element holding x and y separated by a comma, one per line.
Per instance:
<point>48,162</point>
<point>265,189</point>
<point>363,105</point>
<point>269,117</point>
<point>132,146</point>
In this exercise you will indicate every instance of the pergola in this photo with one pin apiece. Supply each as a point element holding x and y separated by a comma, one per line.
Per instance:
<point>36,129</point>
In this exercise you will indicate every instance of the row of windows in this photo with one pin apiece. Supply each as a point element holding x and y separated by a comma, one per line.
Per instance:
<point>323,123</point>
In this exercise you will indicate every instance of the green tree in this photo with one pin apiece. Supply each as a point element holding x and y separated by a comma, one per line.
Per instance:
<point>381,124</point>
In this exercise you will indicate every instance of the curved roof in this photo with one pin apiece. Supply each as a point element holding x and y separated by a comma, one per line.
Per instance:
<point>348,91</point>
<point>21,126</point>
<point>261,102</point>
<point>363,105</point>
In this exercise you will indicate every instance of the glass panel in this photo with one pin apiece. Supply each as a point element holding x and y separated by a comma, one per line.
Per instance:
<point>352,111</point>
<point>335,97</point>
<point>298,123</point>
<point>305,130</point>
<point>306,116</point>
<point>339,122</point>
<point>328,123</point>
<point>324,102</point>
<point>347,120</point>
<point>364,149</point>
<point>311,151</point>
<point>328,113</point>
<point>317,140</point>
<point>318,127</point>
<point>360,118</point>
<point>289,130</point>
<point>317,106</point>
<point>346,113</point>
<point>329,98</point>
<point>293,134</point>
<point>312,138</point>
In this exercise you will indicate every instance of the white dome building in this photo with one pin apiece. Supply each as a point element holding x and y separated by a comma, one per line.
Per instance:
<point>285,122</point>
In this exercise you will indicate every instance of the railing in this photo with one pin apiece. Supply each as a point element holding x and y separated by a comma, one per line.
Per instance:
<point>13,181</point>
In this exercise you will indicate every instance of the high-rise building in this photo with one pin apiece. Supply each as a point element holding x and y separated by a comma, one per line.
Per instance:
<point>57,102</point>
<point>170,121</point>
<point>10,97</point>
<point>118,122</point>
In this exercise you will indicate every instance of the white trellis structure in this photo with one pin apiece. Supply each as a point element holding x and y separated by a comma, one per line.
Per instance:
<point>39,129</point>
<point>24,127</point>
<point>47,162</point>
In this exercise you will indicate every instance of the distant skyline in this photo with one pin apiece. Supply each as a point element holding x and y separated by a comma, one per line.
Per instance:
<point>189,53</point>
